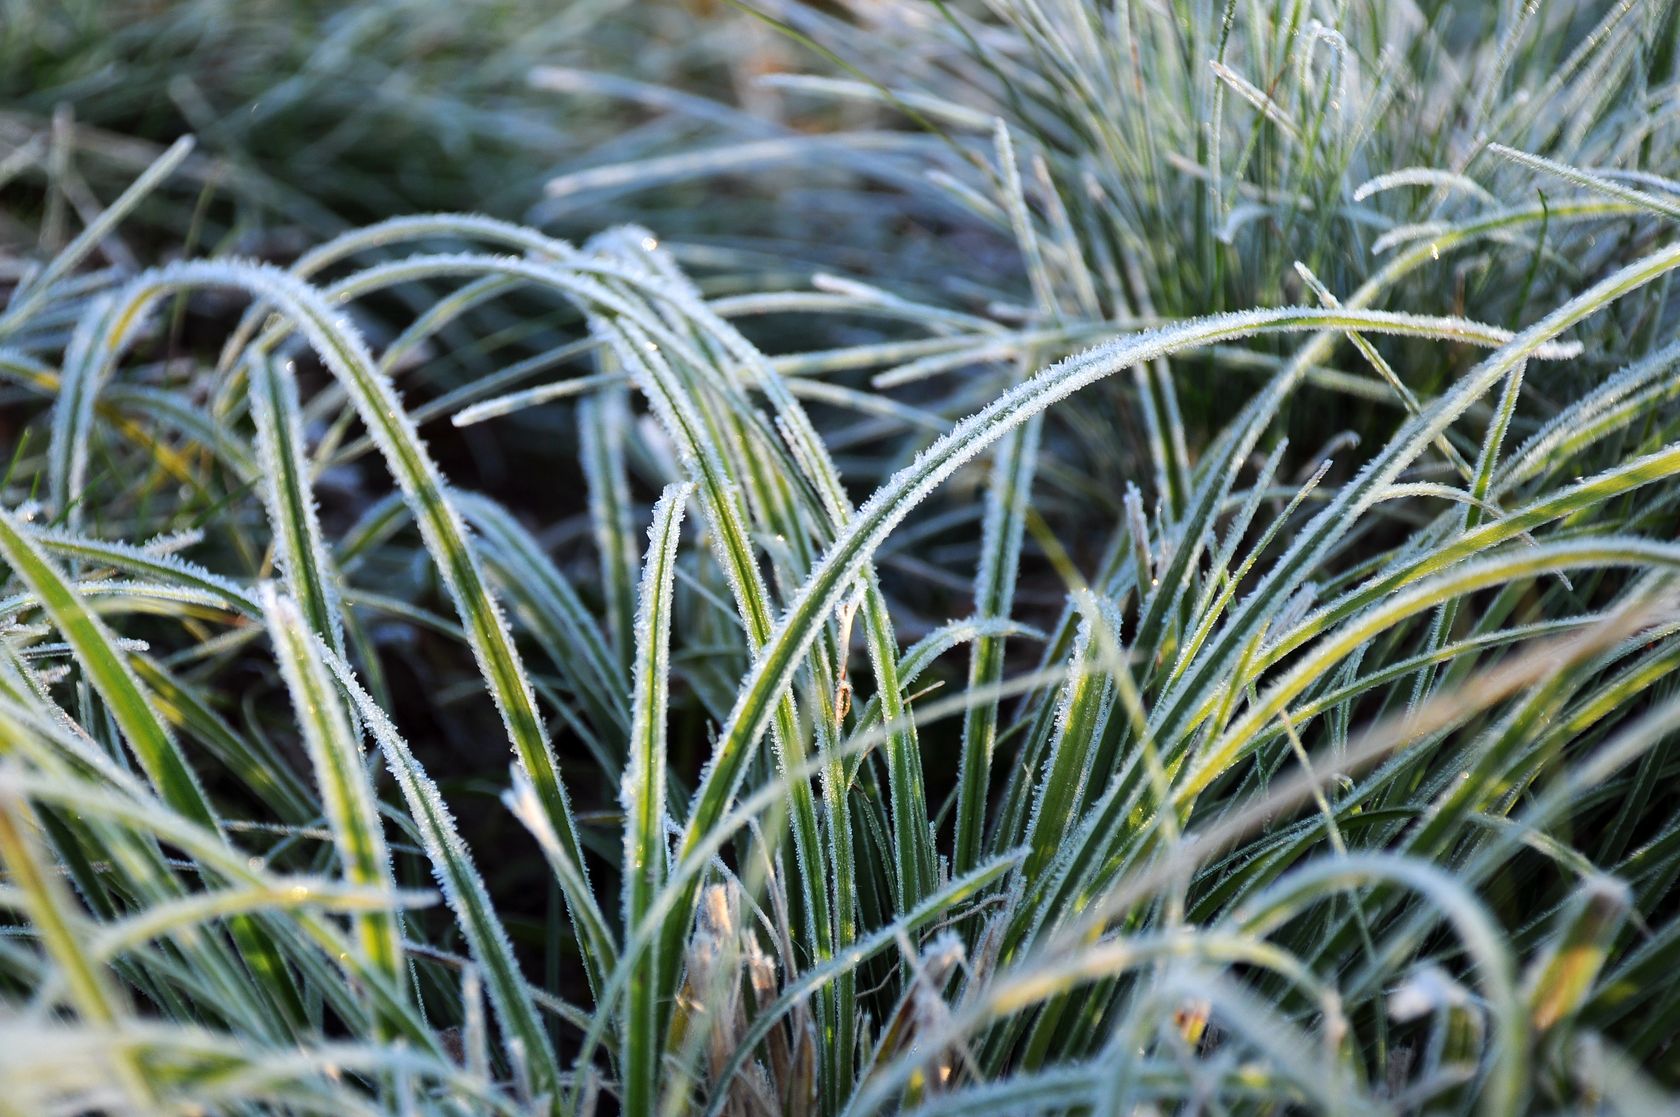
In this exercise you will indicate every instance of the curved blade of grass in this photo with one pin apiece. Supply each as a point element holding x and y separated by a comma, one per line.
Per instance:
<point>463,890</point>
<point>423,488</point>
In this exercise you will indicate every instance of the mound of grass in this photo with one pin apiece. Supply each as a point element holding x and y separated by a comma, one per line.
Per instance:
<point>1180,615</point>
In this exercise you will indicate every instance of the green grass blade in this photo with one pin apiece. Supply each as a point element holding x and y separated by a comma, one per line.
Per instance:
<point>346,793</point>
<point>301,555</point>
<point>644,793</point>
<point>994,590</point>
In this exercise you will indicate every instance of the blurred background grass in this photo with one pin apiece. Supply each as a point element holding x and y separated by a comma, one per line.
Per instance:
<point>339,114</point>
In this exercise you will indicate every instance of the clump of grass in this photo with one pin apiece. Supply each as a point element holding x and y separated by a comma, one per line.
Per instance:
<point>1253,782</point>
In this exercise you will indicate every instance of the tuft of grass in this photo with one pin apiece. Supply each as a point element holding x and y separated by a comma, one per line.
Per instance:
<point>1193,627</point>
